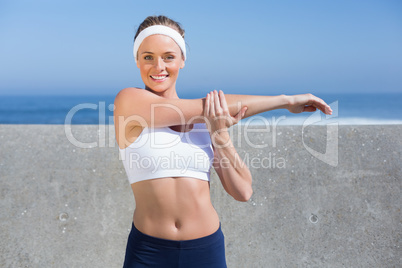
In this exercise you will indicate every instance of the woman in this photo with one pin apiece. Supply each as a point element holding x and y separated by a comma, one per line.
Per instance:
<point>168,146</point>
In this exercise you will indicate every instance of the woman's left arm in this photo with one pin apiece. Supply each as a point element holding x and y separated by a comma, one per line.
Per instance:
<point>234,174</point>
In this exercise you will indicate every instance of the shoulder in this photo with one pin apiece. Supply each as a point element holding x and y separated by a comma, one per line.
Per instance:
<point>131,97</point>
<point>134,95</point>
<point>127,93</point>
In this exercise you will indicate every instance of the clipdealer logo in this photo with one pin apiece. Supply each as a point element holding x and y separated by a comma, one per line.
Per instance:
<point>106,132</point>
<point>330,156</point>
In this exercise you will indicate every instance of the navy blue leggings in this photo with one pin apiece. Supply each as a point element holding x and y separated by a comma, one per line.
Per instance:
<point>148,251</point>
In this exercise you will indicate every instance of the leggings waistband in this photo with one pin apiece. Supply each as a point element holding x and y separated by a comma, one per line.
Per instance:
<point>179,244</point>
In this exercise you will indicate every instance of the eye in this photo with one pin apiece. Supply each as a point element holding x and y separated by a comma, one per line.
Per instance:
<point>169,58</point>
<point>148,57</point>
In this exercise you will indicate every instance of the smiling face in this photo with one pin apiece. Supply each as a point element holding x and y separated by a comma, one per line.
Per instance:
<point>159,60</point>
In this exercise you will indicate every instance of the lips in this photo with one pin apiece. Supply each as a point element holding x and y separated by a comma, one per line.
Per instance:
<point>159,78</point>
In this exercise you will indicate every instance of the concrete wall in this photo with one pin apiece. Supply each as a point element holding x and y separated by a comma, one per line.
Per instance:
<point>66,206</point>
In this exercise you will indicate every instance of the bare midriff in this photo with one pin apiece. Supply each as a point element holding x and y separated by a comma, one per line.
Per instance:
<point>176,208</point>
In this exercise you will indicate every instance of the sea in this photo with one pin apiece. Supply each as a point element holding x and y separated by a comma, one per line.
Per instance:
<point>348,109</point>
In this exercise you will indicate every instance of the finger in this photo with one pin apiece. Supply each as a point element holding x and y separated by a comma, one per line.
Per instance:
<point>309,109</point>
<point>328,110</point>
<point>224,104</point>
<point>218,108</point>
<point>240,114</point>
<point>212,105</point>
<point>320,104</point>
<point>206,106</point>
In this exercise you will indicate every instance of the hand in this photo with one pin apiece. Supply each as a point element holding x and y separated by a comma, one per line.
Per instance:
<point>307,103</point>
<point>217,114</point>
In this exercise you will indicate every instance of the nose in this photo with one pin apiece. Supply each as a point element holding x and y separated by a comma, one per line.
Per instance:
<point>160,64</point>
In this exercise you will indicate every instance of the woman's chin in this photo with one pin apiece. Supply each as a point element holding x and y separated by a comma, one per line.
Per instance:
<point>157,89</point>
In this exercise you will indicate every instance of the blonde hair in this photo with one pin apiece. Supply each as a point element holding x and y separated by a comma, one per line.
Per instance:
<point>160,20</point>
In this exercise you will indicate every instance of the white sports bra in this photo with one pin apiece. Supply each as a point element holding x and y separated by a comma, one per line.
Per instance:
<point>163,152</point>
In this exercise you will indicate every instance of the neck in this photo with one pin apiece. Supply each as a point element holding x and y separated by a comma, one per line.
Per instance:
<point>168,94</point>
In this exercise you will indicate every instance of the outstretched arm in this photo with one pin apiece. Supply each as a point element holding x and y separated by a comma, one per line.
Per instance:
<point>259,104</point>
<point>139,107</point>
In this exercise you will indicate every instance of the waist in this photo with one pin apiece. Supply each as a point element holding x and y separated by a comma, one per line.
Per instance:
<point>178,244</point>
<point>174,208</point>
<point>178,228</point>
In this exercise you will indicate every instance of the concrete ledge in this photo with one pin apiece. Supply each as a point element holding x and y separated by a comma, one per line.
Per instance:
<point>66,206</point>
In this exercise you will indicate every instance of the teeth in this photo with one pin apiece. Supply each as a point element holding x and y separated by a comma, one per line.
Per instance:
<point>158,77</point>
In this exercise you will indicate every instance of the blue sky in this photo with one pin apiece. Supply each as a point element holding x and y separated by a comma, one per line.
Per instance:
<point>259,47</point>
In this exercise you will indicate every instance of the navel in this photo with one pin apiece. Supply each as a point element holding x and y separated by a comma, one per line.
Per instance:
<point>177,224</point>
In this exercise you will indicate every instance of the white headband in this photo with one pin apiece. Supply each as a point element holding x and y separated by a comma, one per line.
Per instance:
<point>159,29</point>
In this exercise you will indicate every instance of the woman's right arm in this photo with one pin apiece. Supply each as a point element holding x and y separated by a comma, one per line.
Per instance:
<point>139,107</point>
